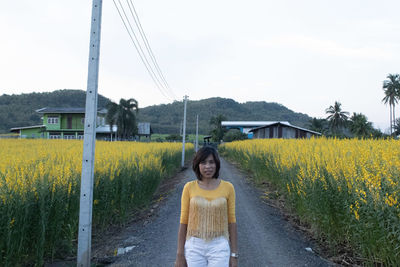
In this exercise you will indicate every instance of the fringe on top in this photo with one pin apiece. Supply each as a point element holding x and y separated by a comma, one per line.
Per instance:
<point>208,219</point>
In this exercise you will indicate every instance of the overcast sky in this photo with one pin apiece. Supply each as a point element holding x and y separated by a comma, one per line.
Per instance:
<point>303,54</point>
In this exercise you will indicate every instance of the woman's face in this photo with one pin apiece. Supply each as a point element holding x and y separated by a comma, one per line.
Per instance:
<point>208,167</point>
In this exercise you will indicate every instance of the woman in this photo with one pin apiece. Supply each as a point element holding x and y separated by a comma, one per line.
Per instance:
<point>207,234</point>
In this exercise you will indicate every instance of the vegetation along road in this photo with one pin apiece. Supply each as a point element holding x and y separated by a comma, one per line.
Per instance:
<point>265,238</point>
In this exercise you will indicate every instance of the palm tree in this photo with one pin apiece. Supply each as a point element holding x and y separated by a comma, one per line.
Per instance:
<point>391,87</point>
<point>124,116</point>
<point>337,118</point>
<point>360,126</point>
<point>111,116</point>
<point>396,127</point>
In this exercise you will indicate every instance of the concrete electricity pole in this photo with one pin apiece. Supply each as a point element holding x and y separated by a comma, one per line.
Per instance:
<point>197,132</point>
<point>86,199</point>
<point>184,131</point>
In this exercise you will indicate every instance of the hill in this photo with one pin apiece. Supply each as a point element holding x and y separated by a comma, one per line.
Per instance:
<point>19,110</point>
<point>167,118</point>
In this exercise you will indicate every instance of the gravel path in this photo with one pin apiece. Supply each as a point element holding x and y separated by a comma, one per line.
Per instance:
<point>264,237</point>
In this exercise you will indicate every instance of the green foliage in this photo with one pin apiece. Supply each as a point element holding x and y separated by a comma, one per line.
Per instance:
<point>173,137</point>
<point>357,126</point>
<point>396,127</point>
<point>318,125</point>
<point>391,88</point>
<point>19,110</point>
<point>337,118</point>
<point>124,116</point>
<point>167,118</point>
<point>217,133</point>
<point>234,135</point>
<point>360,126</point>
<point>190,138</point>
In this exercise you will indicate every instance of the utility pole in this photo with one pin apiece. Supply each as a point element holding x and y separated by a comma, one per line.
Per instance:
<point>86,199</point>
<point>184,131</point>
<point>197,132</point>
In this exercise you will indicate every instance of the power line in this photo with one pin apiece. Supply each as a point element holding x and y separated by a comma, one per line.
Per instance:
<point>147,45</point>
<point>162,86</point>
<point>148,67</point>
<point>140,47</point>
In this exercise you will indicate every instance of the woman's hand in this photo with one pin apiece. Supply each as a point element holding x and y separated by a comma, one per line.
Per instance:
<point>180,261</point>
<point>233,262</point>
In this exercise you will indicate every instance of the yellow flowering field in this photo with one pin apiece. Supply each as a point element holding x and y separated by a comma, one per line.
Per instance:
<point>40,185</point>
<point>347,190</point>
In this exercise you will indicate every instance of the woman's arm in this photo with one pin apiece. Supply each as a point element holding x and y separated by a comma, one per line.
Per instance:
<point>180,253</point>
<point>233,237</point>
<point>233,242</point>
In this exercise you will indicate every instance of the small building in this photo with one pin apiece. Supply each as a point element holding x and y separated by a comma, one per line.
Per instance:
<point>246,126</point>
<point>282,130</point>
<point>103,132</point>
<point>59,123</point>
<point>68,123</point>
<point>144,130</point>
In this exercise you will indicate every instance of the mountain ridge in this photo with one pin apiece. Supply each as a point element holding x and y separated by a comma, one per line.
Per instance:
<point>19,111</point>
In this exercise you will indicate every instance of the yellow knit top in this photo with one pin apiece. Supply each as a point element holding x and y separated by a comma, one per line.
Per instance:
<point>208,212</point>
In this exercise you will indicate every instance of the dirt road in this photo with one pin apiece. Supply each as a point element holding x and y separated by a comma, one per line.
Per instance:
<point>265,238</point>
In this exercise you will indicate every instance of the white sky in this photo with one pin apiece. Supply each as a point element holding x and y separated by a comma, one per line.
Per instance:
<point>303,54</point>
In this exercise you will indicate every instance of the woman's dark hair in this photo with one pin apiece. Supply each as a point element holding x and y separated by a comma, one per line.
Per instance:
<point>201,155</point>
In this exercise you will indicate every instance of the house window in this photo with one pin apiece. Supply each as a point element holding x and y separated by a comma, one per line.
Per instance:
<point>55,136</point>
<point>52,120</point>
<point>69,136</point>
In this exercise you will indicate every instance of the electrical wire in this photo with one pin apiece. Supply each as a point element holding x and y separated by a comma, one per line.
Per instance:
<point>140,47</point>
<point>139,50</point>
<point>147,45</point>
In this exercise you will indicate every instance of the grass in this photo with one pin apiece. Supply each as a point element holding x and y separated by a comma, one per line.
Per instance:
<point>191,138</point>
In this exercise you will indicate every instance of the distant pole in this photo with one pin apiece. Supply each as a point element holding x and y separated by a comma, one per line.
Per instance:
<point>184,131</point>
<point>86,199</point>
<point>197,132</point>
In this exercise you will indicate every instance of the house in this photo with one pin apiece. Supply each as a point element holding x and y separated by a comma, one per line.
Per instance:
<point>282,130</point>
<point>67,123</point>
<point>245,126</point>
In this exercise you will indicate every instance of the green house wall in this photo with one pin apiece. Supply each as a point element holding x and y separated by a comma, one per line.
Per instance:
<point>32,133</point>
<point>51,126</point>
<point>61,128</point>
<point>76,120</point>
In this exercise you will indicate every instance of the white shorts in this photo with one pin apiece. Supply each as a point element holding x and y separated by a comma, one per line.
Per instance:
<point>215,253</point>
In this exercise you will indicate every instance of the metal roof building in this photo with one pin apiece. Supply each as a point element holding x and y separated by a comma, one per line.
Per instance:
<point>246,126</point>
<point>282,130</point>
<point>269,129</point>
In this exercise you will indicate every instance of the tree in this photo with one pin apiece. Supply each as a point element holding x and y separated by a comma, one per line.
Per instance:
<point>233,135</point>
<point>111,116</point>
<point>391,87</point>
<point>217,132</point>
<point>360,126</point>
<point>318,125</point>
<point>175,137</point>
<point>337,118</point>
<point>396,127</point>
<point>124,116</point>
